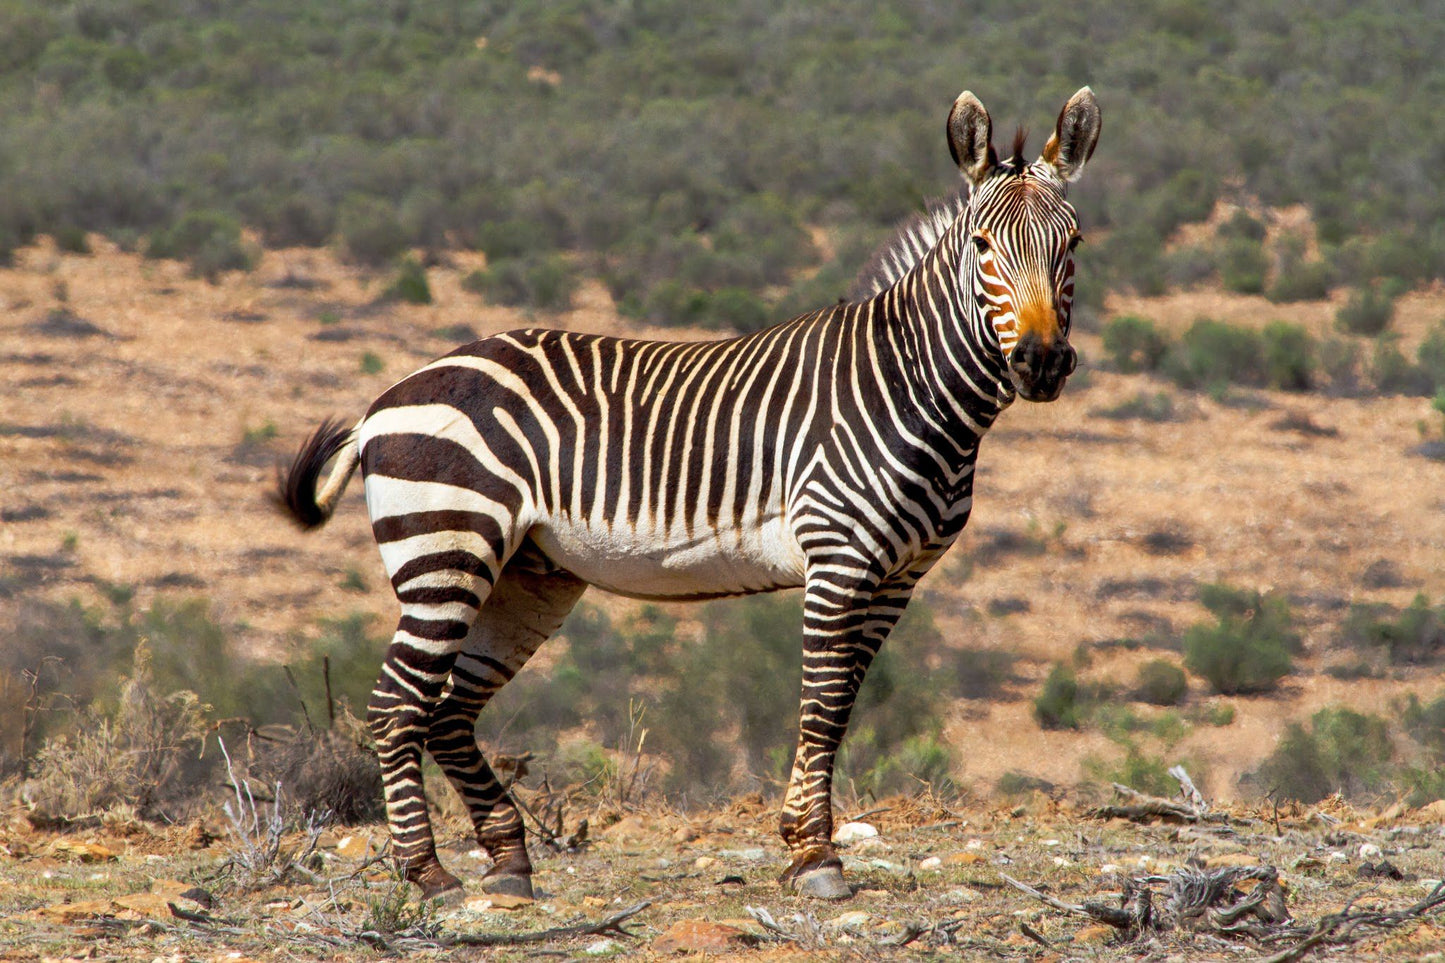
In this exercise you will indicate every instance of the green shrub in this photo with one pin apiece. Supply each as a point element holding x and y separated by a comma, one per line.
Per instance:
<point>1289,356</point>
<point>1248,648</point>
<point>1161,683</point>
<point>1299,280</point>
<point>1393,373</point>
<point>1058,706</point>
<point>1212,353</point>
<point>545,282</point>
<point>1339,360</point>
<point>1343,751</point>
<point>1431,355</point>
<point>209,241</point>
<point>1140,772</point>
<point>1242,264</point>
<point>410,284</point>
<point>72,239</point>
<point>1155,406</point>
<point>1242,225</point>
<point>1414,635</point>
<point>1133,344</point>
<point>369,231</point>
<point>1368,311</point>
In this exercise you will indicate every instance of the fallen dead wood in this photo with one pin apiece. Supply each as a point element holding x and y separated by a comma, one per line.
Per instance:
<point>1227,904</point>
<point>1140,806</point>
<point>611,926</point>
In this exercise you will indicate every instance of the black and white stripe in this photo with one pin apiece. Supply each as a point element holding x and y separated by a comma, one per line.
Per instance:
<point>833,452</point>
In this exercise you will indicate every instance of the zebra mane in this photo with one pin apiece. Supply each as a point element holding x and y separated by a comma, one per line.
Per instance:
<point>915,237</point>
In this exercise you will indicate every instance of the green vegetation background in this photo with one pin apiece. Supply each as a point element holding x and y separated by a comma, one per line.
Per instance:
<point>681,149</point>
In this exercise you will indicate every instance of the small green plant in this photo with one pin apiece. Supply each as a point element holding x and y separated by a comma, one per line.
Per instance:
<point>396,910</point>
<point>69,542</point>
<point>261,434</point>
<point>1137,770</point>
<point>1298,279</point>
<point>1289,356</point>
<point>1342,751</point>
<point>410,284</point>
<point>1134,344</point>
<point>1393,373</point>
<point>1161,683</point>
<point>1369,311</point>
<point>1058,705</point>
<point>1248,648</point>
<point>210,241</point>
<point>354,581</point>
<point>328,317</point>
<point>1212,354</point>
<point>1242,264</point>
<point>371,363</point>
<point>543,281</point>
<point>1414,635</point>
<point>1155,406</point>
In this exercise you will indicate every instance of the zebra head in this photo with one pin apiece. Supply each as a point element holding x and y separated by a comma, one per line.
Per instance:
<point>1020,232</point>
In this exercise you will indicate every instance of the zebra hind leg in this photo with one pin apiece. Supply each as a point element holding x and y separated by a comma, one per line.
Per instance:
<point>418,663</point>
<point>522,612</point>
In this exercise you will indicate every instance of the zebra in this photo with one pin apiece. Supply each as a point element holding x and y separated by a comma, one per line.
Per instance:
<point>834,452</point>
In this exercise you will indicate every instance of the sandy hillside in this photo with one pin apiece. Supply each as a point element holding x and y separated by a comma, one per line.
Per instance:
<point>144,411</point>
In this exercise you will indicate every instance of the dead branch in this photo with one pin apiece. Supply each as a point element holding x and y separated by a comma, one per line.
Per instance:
<point>1142,806</point>
<point>612,925</point>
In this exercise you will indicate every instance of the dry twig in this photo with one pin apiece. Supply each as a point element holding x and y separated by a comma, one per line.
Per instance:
<point>612,925</point>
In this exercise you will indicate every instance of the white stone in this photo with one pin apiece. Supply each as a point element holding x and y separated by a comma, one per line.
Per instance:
<point>601,948</point>
<point>932,862</point>
<point>1108,868</point>
<point>1369,850</point>
<point>974,844</point>
<point>1050,842</point>
<point>850,832</point>
<point>1338,857</point>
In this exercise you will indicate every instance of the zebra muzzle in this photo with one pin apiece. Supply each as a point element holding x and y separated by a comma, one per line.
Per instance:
<point>1039,369</point>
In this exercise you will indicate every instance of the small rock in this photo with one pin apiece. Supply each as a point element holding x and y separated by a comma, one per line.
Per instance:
<point>1338,857</point>
<point>1095,935</point>
<point>1384,869</point>
<point>851,832</point>
<point>851,921</point>
<point>704,862</point>
<point>962,859</point>
<point>601,948</point>
<point>84,852</point>
<point>487,902</point>
<point>973,845</point>
<point>1108,868</point>
<point>1369,851</point>
<point>702,936</point>
<point>354,847</point>
<point>931,863</point>
<point>1050,842</point>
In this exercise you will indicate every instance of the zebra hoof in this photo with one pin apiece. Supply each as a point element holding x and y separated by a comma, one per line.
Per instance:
<point>508,884</point>
<point>438,884</point>
<point>825,882</point>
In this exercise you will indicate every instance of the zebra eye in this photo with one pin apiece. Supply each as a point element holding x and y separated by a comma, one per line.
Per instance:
<point>1075,241</point>
<point>980,243</point>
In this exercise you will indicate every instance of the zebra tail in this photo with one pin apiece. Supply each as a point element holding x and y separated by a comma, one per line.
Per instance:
<point>296,488</point>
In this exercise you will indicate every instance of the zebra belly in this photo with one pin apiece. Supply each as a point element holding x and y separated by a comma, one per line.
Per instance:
<point>634,561</point>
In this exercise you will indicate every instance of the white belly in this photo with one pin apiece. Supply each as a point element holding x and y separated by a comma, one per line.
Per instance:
<point>657,565</point>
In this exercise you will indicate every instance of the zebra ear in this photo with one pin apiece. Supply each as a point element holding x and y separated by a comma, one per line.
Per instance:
<point>970,135</point>
<point>1075,135</point>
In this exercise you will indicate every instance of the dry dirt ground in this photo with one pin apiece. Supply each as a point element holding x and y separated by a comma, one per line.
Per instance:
<point>932,884</point>
<point>142,412</point>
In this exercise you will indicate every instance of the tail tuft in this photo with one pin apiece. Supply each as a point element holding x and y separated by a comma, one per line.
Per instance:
<point>296,489</point>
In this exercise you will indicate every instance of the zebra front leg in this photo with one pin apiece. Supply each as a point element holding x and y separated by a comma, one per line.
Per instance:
<point>838,647</point>
<point>842,634</point>
<point>522,612</point>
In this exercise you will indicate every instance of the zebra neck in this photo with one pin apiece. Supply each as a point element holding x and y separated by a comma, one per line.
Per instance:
<point>947,360</point>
